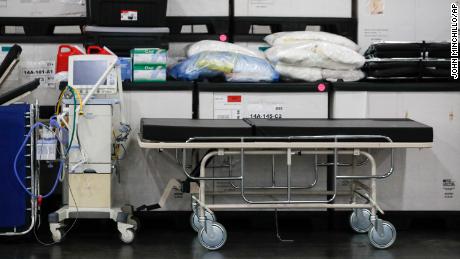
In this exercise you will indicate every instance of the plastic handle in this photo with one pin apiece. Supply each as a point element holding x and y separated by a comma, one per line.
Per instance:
<point>97,50</point>
<point>65,47</point>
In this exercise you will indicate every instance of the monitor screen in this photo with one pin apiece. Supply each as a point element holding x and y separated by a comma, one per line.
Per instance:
<point>88,72</point>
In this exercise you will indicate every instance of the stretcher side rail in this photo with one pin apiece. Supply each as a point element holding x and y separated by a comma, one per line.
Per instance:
<point>282,145</point>
<point>336,138</point>
<point>289,152</point>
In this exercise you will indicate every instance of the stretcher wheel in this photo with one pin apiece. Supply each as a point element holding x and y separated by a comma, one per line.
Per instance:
<point>135,222</point>
<point>361,224</point>
<point>127,236</point>
<point>195,220</point>
<point>385,238</point>
<point>214,240</point>
<point>57,235</point>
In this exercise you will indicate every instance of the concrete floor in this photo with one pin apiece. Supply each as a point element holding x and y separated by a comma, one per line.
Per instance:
<point>250,236</point>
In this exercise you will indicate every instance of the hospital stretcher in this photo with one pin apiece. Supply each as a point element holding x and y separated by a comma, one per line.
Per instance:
<point>333,139</point>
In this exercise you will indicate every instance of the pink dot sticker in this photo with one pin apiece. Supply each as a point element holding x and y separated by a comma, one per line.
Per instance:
<point>223,37</point>
<point>322,87</point>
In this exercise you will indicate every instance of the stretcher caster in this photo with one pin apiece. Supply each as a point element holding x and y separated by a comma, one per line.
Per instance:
<point>360,220</point>
<point>213,237</point>
<point>127,232</point>
<point>57,232</point>
<point>127,236</point>
<point>382,236</point>
<point>57,235</point>
<point>135,222</point>
<point>195,219</point>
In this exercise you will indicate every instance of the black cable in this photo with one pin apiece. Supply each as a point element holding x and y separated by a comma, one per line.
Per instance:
<point>65,233</point>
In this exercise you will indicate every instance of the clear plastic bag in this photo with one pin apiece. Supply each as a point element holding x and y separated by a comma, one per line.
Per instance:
<point>233,67</point>
<point>219,46</point>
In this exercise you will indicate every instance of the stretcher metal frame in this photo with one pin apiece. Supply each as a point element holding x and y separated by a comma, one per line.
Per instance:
<point>364,218</point>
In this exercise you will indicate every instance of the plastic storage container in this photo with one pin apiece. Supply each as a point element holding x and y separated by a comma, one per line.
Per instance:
<point>127,13</point>
<point>64,52</point>
<point>62,61</point>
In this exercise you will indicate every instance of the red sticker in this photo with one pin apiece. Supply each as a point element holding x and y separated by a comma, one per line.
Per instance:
<point>128,11</point>
<point>234,98</point>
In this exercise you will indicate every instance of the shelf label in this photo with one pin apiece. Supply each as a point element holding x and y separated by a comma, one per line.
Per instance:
<point>44,70</point>
<point>234,106</point>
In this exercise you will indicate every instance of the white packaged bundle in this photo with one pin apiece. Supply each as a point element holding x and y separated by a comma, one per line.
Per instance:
<point>345,75</point>
<point>299,73</point>
<point>302,37</point>
<point>219,46</point>
<point>312,74</point>
<point>316,54</point>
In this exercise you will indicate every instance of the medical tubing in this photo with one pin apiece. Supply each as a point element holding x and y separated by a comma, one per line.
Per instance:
<point>58,104</point>
<point>74,95</point>
<point>61,165</point>
<point>74,121</point>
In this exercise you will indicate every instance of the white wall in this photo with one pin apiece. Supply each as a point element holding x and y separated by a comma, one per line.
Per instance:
<point>198,7</point>
<point>294,8</point>
<point>407,20</point>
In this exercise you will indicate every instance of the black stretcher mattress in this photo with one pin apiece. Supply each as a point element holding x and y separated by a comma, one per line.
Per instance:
<point>398,130</point>
<point>406,68</point>
<point>409,50</point>
<point>183,129</point>
<point>180,130</point>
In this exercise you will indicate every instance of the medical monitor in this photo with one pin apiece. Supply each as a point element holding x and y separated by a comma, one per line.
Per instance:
<point>86,70</point>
